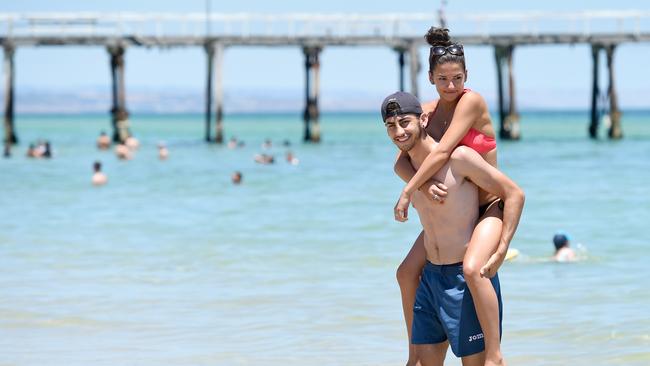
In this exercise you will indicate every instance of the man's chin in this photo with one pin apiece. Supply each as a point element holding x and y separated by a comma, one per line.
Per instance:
<point>405,148</point>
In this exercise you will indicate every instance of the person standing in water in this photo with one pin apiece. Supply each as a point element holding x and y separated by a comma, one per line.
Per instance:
<point>444,313</point>
<point>99,178</point>
<point>458,117</point>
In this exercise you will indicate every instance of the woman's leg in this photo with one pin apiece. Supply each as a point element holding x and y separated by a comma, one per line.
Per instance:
<point>482,245</point>
<point>408,278</point>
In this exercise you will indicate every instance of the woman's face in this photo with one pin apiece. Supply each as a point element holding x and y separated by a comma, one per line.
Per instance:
<point>449,79</point>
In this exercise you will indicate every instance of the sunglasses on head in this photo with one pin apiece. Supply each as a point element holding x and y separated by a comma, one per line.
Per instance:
<point>454,49</point>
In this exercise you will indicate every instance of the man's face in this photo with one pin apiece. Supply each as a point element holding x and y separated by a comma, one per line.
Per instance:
<point>404,130</point>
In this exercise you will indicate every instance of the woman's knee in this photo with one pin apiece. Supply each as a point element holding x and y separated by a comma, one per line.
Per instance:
<point>407,274</point>
<point>471,270</point>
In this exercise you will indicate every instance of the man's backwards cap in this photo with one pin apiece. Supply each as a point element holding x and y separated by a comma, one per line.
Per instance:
<point>406,103</point>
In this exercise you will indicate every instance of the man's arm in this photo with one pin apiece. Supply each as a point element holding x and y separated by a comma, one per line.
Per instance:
<point>405,170</point>
<point>470,164</point>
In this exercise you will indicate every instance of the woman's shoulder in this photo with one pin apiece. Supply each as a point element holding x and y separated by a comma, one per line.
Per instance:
<point>473,98</point>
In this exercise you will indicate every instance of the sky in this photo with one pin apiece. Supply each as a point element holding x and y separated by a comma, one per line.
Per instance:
<point>557,76</point>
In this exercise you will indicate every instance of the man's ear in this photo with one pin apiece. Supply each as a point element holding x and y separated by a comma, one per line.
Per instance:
<point>424,120</point>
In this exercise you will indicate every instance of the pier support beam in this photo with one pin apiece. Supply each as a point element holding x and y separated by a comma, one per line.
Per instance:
<point>10,133</point>
<point>414,68</point>
<point>214,53</point>
<point>593,125</point>
<point>120,116</point>
<point>613,113</point>
<point>312,90</point>
<point>218,101</point>
<point>209,50</point>
<point>509,121</point>
<point>615,131</point>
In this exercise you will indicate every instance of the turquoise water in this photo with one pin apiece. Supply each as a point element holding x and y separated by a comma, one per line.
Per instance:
<point>171,264</point>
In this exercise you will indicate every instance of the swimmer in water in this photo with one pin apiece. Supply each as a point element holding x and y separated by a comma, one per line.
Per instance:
<point>562,251</point>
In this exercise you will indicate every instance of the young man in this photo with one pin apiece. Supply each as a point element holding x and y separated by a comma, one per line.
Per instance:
<point>444,312</point>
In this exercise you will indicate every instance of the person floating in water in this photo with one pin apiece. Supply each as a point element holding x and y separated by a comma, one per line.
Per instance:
<point>292,159</point>
<point>99,178</point>
<point>236,177</point>
<point>265,159</point>
<point>103,141</point>
<point>163,152</point>
<point>123,152</point>
<point>562,251</point>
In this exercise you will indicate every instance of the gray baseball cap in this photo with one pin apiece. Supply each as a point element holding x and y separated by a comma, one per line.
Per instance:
<point>406,102</point>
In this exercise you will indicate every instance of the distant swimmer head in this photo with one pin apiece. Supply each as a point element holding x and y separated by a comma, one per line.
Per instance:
<point>560,240</point>
<point>400,103</point>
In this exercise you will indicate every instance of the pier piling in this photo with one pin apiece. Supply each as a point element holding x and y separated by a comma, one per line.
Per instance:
<point>509,122</point>
<point>615,130</point>
<point>312,87</point>
<point>120,116</point>
<point>593,125</point>
<point>10,133</point>
<point>218,70</point>
<point>209,50</point>
<point>214,53</point>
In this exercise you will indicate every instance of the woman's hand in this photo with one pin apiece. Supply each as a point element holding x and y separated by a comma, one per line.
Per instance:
<point>402,207</point>
<point>434,190</point>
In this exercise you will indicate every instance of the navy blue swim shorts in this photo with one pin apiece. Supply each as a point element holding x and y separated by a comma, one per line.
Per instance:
<point>444,310</point>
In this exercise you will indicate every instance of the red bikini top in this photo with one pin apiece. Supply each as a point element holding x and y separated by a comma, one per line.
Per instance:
<point>475,139</point>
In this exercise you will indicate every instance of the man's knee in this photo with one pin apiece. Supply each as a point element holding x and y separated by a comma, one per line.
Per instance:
<point>431,355</point>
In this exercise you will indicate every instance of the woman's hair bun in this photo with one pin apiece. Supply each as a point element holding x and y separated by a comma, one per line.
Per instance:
<point>438,37</point>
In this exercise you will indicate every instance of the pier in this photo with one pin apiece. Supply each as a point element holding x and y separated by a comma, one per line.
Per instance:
<point>402,33</point>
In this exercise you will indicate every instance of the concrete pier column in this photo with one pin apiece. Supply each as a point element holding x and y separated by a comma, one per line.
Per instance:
<point>10,133</point>
<point>512,119</point>
<point>312,90</point>
<point>414,68</point>
<point>509,121</point>
<point>209,50</point>
<point>218,93</point>
<point>615,130</point>
<point>499,54</point>
<point>119,112</point>
<point>593,126</point>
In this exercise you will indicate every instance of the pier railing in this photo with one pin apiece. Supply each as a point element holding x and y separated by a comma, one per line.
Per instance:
<point>331,25</point>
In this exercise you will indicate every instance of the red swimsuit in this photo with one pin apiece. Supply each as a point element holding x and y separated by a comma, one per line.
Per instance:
<point>475,139</point>
<point>478,141</point>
